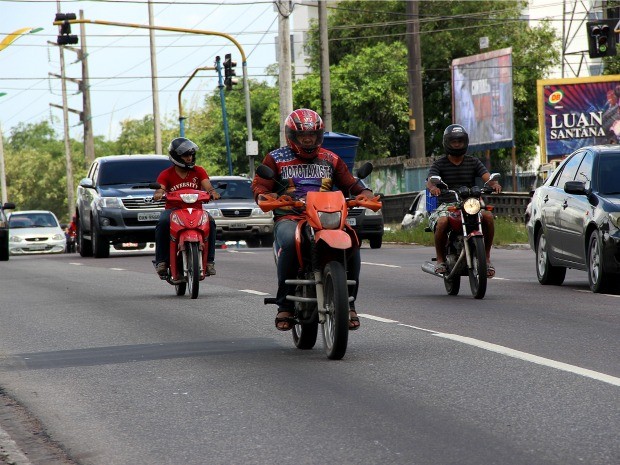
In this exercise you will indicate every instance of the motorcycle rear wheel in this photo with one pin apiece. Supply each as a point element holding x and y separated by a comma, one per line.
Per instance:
<point>305,334</point>
<point>336,326</point>
<point>192,273</point>
<point>478,271</point>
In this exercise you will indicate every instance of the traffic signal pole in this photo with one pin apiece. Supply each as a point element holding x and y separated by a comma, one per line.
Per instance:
<point>251,146</point>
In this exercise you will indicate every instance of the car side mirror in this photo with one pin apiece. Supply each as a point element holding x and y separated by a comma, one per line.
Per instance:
<point>87,183</point>
<point>575,188</point>
<point>8,206</point>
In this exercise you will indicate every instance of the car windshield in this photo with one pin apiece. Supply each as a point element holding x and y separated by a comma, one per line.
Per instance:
<point>608,170</point>
<point>131,171</point>
<point>234,189</point>
<point>32,220</point>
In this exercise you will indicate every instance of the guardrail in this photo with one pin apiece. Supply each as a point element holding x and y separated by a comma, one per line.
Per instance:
<point>507,204</point>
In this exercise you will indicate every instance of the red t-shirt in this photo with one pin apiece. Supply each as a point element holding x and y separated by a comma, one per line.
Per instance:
<point>174,182</point>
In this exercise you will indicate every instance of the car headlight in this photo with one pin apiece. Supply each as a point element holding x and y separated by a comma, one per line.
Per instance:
<point>109,202</point>
<point>369,212</point>
<point>614,218</point>
<point>15,239</point>
<point>471,206</point>
<point>330,220</point>
<point>215,212</point>
<point>58,237</point>
<point>259,212</point>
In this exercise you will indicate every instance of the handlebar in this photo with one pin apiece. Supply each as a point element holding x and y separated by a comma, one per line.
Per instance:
<point>268,204</point>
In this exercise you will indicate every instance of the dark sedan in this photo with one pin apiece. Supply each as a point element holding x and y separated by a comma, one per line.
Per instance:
<point>575,220</point>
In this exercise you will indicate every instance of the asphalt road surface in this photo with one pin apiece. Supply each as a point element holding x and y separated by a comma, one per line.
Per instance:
<point>100,363</point>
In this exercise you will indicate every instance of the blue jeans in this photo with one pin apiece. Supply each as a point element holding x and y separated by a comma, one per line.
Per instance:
<point>288,265</point>
<point>162,238</point>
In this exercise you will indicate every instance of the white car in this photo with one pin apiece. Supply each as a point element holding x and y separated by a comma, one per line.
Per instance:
<point>416,213</point>
<point>35,232</point>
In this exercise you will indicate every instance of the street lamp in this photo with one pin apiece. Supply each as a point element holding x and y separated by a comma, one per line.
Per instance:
<point>13,36</point>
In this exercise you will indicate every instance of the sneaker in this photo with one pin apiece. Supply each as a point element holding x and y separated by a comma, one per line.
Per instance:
<point>210,269</point>
<point>162,269</point>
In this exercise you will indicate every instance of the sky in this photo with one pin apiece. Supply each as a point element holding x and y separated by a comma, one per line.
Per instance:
<point>119,58</point>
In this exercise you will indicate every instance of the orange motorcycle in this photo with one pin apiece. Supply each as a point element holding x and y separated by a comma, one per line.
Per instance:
<point>324,241</point>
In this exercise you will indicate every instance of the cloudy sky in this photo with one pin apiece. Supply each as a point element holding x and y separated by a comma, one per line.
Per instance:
<point>118,57</point>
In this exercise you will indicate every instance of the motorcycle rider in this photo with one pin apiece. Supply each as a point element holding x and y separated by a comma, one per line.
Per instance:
<point>302,166</point>
<point>457,169</point>
<point>183,174</point>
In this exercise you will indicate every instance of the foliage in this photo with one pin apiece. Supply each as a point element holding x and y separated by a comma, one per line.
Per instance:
<point>449,30</point>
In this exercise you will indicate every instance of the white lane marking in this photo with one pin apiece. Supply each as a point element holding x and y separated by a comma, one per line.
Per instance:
<point>118,269</point>
<point>590,292</point>
<point>532,358</point>
<point>377,318</point>
<point>510,352</point>
<point>380,264</point>
<point>75,263</point>
<point>239,251</point>
<point>495,278</point>
<point>250,291</point>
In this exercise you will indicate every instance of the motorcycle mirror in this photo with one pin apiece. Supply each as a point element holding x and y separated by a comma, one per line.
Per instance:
<point>364,170</point>
<point>154,185</point>
<point>494,176</point>
<point>265,172</point>
<point>435,179</point>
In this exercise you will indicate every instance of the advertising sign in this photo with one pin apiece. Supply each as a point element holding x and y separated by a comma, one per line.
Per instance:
<point>576,112</point>
<point>482,98</point>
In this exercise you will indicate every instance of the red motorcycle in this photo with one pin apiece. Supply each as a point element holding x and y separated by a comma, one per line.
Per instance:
<point>324,241</point>
<point>189,233</point>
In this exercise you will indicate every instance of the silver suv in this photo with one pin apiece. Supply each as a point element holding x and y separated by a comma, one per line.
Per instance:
<point>236,214</point>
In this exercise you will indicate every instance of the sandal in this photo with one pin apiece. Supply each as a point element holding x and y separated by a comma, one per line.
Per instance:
<point>354,321</point>
<point>284,320</point>
<point>490,270</point>
<point>441,268</point>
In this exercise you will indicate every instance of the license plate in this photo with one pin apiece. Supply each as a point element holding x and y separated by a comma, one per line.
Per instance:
<point>237,226</point>
<point>37,247</point>
<point>351,221</point>
<point>129,245</point>
<point>154,216</point>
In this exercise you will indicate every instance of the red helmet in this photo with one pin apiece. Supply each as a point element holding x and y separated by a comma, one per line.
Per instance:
<point>304,121</point>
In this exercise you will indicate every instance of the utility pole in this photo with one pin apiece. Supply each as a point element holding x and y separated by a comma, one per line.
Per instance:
<point>286,86</point>
<point>326,97</point>
<point>89,141</point>
<point>65,117</point>
<point>2,171</point>
<point>416,107</point>
<point>154,86</point>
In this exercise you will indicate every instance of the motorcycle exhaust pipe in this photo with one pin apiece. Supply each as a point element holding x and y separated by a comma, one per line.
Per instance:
<point>429,267</point>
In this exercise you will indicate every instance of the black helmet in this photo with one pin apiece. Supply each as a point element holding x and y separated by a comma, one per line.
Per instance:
<point>180,147</point>
<point>455,132</point>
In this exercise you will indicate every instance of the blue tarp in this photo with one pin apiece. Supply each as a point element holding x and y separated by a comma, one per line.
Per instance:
<point>343,145</point>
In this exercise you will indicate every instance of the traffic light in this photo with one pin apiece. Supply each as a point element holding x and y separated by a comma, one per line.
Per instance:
<point>229,72</point>
<point>65,37</point>
<point>601,38</point>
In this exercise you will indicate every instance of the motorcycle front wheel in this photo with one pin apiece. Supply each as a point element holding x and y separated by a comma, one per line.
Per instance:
<point>478,271</point>
<point>336,326</point>
<point>192,269</point>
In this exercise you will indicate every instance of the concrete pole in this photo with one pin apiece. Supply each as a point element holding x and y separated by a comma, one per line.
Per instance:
<point>156,119</point>
<point>326,97</point>
<point>286,85</point>
<point>89,140</point>
<point>2,171</point>
<point>416,105</point>
<point>65,118</point>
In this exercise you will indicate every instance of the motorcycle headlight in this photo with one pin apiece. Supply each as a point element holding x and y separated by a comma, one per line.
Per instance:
<point>471,206</point>
<point>109,202</point>
<point>189,198</point>
<point>330,220</point>
<point>614,218</point>
<point>174,218</point>
<point>259,212</point>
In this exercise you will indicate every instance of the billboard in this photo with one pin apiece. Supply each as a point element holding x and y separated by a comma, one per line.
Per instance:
<point>576,112</point>
<point>482,99</point>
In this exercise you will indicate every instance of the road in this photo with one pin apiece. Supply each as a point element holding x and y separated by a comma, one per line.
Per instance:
<point>111,368</point>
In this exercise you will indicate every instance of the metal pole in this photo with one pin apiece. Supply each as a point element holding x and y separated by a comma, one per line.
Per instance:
<point>2,172</point>
<point>154,86</point>
<point>286,86</point>
<point>326,97</point>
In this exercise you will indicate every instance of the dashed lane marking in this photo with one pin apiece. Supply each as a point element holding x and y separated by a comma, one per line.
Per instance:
<point>380,264</point>
<point>250,291</point>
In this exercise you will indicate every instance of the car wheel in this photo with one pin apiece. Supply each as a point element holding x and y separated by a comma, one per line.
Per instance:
<point>4,246</point>
<point>84,246</point>
<point>376,242</point>
<point>545,271</point>
<point>101,245</point>
<point>599,279</point>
